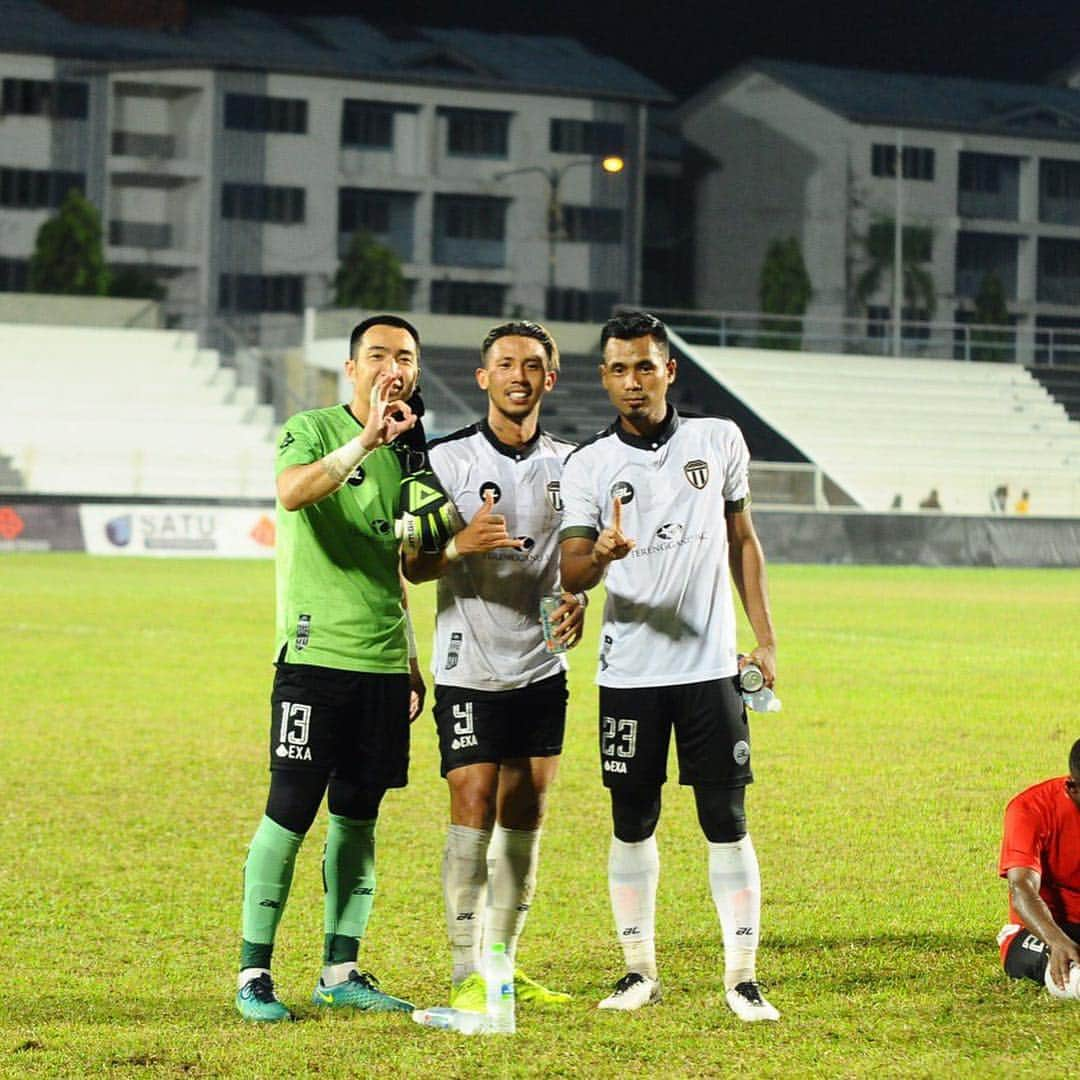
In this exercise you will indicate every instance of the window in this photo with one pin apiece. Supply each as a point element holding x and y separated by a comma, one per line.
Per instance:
<point>367,124</point>
<point>587,137</point>
<point>359,209</point>
<point>1061,179</point>
<point>387,215</point>
<point>593,224</point>
<point>262,202</point>
<point>918,161</point>
<point>476,133</point>
<point>980,172</point>
<point>42,97</point>
<point>14,275</point>
<point>253,112</point>
<point>467,298</point>
<point>470,230</point>
<point>252,293</point>
<point>579,305</point>
<point>37,189</point>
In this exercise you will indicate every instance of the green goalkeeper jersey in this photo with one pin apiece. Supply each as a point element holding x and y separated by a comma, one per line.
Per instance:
<point>338,589</point>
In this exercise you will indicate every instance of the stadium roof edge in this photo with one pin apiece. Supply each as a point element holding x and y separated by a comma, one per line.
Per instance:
<point>948,103</point>
<point>343,46</point>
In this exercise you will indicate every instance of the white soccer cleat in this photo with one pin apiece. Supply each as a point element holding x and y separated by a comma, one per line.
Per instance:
<point>746,1002</point>
<point>1072,985</point>
<point>631,992</point>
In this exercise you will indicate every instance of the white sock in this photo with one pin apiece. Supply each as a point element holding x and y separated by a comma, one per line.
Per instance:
<point>464,875</point>
<point>633,874</point>
<point>736,890</point>
<point>511,872</point>
<point>332,974</point>
<point>247,974</point>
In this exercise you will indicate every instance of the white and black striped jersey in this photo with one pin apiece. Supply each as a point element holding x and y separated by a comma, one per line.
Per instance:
<point>487,630</point>
<point>669,616</point>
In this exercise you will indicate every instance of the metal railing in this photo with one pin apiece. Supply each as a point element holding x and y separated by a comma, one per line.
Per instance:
<point>874,337</point>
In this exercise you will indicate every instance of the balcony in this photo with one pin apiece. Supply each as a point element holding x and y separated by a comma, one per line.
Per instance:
<point>143,145</point>
<point>148,235</point>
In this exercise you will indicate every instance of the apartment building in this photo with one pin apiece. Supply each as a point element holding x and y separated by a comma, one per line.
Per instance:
<point>234,154</point>
<point>990,183</point>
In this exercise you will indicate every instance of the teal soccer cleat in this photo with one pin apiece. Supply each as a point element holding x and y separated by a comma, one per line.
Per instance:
<point>256,1001</point>
<point>359,991</point>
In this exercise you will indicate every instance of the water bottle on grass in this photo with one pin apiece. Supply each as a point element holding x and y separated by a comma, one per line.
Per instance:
<point>460,1020</point>
<point>499,977</point>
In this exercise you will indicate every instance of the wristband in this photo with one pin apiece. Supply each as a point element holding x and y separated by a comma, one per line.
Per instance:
<point>339,464</point>
<point>450,551</point>
<point>410,635</point>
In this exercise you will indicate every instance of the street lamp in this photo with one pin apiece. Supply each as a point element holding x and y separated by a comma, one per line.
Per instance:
<point>611,163</point>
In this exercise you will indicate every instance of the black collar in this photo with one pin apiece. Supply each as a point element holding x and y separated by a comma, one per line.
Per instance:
<point>515,452</point>
<point>348,408</point>
<point>653,442</point>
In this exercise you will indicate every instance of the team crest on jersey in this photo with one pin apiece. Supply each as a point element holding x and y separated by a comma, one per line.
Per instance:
<point>697,472</point>
<point>527,542</point>
<point>356,477</point>
<point>622,491</point>
<point>490,485</point>
<point>554,496</point>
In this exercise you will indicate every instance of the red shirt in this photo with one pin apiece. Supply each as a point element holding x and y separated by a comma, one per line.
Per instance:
<point>1042,831</point>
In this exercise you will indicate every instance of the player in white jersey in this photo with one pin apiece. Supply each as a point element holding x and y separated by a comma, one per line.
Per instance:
<point>500,693</point>
<point>660,502</point>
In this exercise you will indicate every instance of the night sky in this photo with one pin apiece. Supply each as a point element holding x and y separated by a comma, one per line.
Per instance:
<point>684,44</point>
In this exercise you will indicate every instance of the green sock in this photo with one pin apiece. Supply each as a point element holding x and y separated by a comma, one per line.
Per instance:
<point>349,881</point>
<point>267,876</point>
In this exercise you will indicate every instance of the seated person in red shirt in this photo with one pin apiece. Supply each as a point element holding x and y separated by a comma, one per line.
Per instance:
<point>1040,858</point>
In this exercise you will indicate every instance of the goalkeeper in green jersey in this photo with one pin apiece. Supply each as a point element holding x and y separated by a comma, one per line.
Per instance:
<point>347,683</point>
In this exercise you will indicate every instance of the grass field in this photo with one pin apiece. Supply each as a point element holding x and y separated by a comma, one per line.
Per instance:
<point>916,702</point>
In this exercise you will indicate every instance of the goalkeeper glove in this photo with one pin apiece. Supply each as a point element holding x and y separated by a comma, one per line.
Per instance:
<point>428,519</point>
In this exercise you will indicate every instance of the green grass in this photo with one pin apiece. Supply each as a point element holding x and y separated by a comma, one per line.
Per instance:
<point>916,702</point>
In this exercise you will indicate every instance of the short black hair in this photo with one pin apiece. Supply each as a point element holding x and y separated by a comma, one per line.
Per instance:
<point>628,325</point>
<point>381,320</point>
<point>523,328</point>
<point>1074,759</point>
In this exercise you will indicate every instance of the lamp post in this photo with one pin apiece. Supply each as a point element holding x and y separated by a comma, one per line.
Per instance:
<point>612,164</point>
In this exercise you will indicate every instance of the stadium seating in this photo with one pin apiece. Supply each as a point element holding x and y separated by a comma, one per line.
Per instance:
<point>881,427</point>
<point>127,412</point>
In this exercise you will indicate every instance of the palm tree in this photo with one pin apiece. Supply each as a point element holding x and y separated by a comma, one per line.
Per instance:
<point>919,293</point>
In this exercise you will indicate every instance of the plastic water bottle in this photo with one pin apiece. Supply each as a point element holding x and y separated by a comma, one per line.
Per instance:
<point>754,691</point>
<point>446,1019</point>
<point>499,977</point>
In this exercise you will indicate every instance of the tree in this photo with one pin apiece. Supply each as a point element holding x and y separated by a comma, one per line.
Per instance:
<point>784,290</point>
<point>991,310</point>
<point>918,292</point>
<point>68,256</point>
<point>370,276</point>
